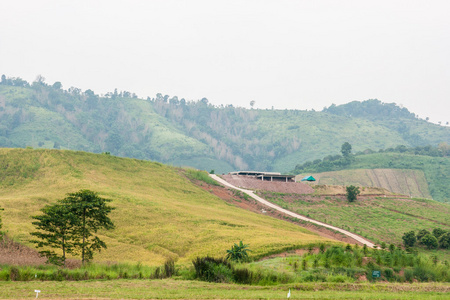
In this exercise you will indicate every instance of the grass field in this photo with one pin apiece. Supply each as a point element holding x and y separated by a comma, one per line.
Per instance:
<point>376,218</point>
<point>180,289</point>
<point>160,214</point>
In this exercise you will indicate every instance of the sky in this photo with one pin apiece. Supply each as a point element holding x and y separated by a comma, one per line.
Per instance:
<point>281,54</point>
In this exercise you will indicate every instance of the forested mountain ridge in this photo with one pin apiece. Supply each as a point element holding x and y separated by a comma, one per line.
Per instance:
<point>196,133</point>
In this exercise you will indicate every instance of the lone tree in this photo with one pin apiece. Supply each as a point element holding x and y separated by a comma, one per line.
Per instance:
<point>346,149</point>
<point>92,212</point>
<point>238,252</point>
<point>352,193</point>
<point>56,230</point>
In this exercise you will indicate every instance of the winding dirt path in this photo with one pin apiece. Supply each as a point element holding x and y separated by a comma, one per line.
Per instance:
<point>290,213</point>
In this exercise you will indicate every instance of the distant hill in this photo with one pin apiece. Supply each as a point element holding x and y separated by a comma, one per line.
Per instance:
<point>196,133</point>
<point>159,214</point>
<point>404,173</point>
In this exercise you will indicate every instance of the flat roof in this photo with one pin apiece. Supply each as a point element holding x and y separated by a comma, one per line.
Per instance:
<point>253,173</point>
<point>276,176</point>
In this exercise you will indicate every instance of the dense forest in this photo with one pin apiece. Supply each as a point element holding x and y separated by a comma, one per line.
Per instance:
<point>197,133</point>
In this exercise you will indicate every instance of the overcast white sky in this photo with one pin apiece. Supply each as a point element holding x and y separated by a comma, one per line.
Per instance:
<point>286,54</point>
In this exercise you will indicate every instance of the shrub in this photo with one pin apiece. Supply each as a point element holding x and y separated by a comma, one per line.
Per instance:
<point>409,239</point>
<point>352,193</point>
<point>243,276</point>
<point>212,269</point>
<point>421,234</point>
<point>388,273</point>
<point>409,275</point>
<point>169,268</point>
<point>444,241</point>
<point>14,274</point>
<point>430,241</point>
<point>437,232</point>
<point>238,252</point>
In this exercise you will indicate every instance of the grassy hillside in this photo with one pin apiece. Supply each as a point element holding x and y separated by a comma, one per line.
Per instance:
<point>160,214</point>
<point>195,133</point>
<point>376,218</point>
<point>435,169</point>
<point>399,181</point>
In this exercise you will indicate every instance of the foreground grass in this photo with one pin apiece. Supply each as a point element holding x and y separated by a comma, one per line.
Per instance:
<point>182,289</point>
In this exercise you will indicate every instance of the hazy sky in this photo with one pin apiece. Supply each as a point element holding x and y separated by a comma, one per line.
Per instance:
<point>286,54</point>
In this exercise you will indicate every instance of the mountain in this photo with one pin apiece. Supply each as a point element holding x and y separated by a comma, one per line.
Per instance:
<point>159,214</point>
<point>195,133</point>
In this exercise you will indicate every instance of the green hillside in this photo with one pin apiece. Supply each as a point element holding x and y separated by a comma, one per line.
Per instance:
<point>376,218</point>
<point>159,214</point>
<point>195,133</point>
<point>436,169</point>
<point>398,181</point>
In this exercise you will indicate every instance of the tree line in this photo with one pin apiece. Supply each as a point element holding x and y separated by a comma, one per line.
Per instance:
<point>438,238</point>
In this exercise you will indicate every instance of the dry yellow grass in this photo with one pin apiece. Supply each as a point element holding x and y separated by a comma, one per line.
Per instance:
<point>160,214</point>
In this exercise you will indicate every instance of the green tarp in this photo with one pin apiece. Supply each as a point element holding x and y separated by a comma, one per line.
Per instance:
<point>308,178</point>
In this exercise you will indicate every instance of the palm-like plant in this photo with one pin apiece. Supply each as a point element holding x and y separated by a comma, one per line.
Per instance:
<point>238,252</point>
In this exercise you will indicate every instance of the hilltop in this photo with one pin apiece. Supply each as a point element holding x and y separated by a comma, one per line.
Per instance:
<point>195,133</point>
<point>160,213</point>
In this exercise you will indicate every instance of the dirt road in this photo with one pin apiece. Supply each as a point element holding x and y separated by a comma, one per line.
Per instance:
<point>292,214</point>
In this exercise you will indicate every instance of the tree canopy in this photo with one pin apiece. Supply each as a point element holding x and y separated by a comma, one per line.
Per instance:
<point>92,212</point>
<point>56,230</point>
<point>70,226</point>
<point>352,193</point>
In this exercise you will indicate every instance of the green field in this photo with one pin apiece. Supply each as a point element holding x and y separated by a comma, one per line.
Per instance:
<point>376,218</point>
<point>180,289</point>
<point>160,214</point>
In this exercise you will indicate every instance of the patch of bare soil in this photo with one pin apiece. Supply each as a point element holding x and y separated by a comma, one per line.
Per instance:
<point>236,199</point>
<point>249,182</point>
<point>16,254</point>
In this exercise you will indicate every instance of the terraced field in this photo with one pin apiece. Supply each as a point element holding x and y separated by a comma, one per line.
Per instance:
<point>399,181</point>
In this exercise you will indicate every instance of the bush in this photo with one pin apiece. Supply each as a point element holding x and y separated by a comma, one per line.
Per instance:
<point>14,274</point>
<point>421,234</point>
<point>430,241</point>
<point>243,276</point>
<point>352,193</point>
<point>213,269</point>
<point>169,268</point>
<point>444,241</point>
<point>388,273</point>
<point>409,275</point>
<point>437,232</point>
<point>409,239</point>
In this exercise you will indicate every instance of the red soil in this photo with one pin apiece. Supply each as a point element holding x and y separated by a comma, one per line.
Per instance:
<point>249,182</point>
